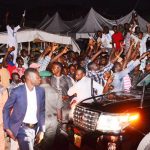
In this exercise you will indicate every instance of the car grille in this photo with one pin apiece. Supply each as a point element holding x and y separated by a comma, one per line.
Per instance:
<point>85,118</point>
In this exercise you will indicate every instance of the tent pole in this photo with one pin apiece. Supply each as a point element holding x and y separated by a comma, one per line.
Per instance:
<point>29,48</point>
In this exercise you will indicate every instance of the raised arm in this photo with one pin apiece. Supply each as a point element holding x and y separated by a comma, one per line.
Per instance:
<point>44,61</point>
<point>9,50</point>
<point>95,56</point>
<point>135,53</point>
<point>116,56</point>
<point>127,58</point>
<point>123,73</point>
<point>64,51</point>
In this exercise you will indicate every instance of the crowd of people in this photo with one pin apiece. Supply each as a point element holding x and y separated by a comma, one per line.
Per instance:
<point>40,90</point>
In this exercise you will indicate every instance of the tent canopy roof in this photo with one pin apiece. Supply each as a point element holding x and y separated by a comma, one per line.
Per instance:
<point>29,35</point>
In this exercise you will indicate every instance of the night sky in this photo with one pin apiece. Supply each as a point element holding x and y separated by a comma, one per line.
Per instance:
<point>71,9</point>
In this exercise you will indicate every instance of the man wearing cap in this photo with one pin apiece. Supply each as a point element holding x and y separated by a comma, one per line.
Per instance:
<point>53,106</point>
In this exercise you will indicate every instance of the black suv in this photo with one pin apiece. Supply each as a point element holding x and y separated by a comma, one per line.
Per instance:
<point>115,121</point>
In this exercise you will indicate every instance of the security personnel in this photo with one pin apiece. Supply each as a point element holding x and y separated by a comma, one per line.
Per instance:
<point>53,109</point>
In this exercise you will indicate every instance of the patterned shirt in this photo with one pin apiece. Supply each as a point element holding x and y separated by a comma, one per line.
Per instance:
<point>44,63</point>
<point>98,75</point>
<point>118,76</point>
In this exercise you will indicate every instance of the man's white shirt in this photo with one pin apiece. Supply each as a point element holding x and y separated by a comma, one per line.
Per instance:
<point>106,40</point>
<point>12,40</point>
<point>12,35</point>
<point>31,112</point>
<point>83,89</point>
<point>142,48</point>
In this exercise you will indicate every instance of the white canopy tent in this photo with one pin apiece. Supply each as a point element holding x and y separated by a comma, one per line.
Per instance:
<point>46,18</point>
<point>126,19</point>
<point>89,24</point>
<point>73,22</point>
<point>29,35</point>
<point>94,22</point>
<point>55,25</point>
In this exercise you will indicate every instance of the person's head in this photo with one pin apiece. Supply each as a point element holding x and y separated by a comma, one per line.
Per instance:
<point>32,55</point>
<point>99,34</point>
<point>147,68</point>
<point>15,78</point>
<point>65,71</point>
<point>103,61</point>
<point>107,75</point>
<point>72,69</point>
<point>61,60</point>
<point>126,26</point>
<point>115,29</point>
<point>80,73</point>
<point>106,30</point>
<point>32,77</point>
<point>92,66</point>
<point>20,61</point>
<point>23,79</point>
<point>137,30</point>
<point>82,63</point>
<point>117,67</point>
<point>34,65</point>
<point>120,28</point>
<point>10,58</point>
<point>76,54</point>
<point>45,77</point>
<point>12,25</point>
<point>24,53</point>
<point>137,68</point>
<point>140,35</point>
<point>92,41</point>
<point>57,68</point>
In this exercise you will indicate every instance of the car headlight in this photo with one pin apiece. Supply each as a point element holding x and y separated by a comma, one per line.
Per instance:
<point>115,122</point>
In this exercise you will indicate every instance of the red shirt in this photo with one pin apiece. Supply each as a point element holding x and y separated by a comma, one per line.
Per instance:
<point>117,39</point>
<point>20,71</point>
<point>11,68</point>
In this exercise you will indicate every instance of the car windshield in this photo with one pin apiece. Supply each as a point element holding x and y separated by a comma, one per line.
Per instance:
<point>145,80</point>
<point>120,96</point>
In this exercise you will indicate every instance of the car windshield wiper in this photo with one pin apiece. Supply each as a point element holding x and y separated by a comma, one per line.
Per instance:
<point>94,97</point>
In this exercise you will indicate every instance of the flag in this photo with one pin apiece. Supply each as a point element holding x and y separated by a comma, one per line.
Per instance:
<point>24,13</point>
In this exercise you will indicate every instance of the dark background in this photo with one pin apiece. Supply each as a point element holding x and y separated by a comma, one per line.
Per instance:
<point>70,9</point>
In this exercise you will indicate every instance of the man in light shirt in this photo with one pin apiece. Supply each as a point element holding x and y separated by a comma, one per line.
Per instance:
<point>12,39</point>
<point>24,112</point>
<point>82,88</point>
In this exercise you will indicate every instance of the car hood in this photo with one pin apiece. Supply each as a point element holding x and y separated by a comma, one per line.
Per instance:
<point>116,102</point>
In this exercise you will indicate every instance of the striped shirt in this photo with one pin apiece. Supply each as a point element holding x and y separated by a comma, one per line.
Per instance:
<point>44,63</point>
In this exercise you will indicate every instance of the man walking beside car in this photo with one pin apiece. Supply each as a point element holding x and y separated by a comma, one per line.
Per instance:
<point>24,112</point>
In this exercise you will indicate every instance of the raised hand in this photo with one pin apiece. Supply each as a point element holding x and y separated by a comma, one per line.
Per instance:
<point>54,46</point>
<point>10,134</point>
<point>65,50</point>
<point>10,49</point>
<point>138,45</point>
<point>110,80</point>
<point>132,42</point>
<point>39,137</point>
<point>48,49</point>
<point>144,55</point>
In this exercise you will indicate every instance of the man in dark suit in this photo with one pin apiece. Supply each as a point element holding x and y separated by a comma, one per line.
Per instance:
<point>24,112</point>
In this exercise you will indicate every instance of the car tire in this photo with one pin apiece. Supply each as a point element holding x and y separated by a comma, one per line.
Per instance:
<point>145,143</point>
